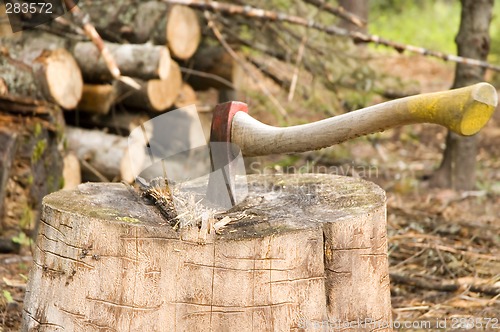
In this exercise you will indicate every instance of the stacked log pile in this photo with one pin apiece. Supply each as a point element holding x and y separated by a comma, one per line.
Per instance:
<point>152,42</point>
<point>55,69</point>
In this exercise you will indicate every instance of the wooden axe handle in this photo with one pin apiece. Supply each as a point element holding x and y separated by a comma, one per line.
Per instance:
<point>464,111</point>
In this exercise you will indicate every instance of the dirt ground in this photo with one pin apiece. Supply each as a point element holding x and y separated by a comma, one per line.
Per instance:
<point>440,237</point>
<point>444,246</point>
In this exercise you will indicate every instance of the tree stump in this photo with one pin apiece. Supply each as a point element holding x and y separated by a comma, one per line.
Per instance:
<point>303,253</point>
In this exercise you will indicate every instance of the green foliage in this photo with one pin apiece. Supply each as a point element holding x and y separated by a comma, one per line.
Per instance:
<point>22,239</point>
<point>288,161</point>
<point>429,24</point>
<point>38,150</point>
<point>26,218</point>
<point>7,296</point>
<point>37,131</point>
<point>494,55</point>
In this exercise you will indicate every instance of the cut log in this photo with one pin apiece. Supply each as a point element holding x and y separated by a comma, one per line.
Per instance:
<point>183,32</point>
<point>30,163</point>
<point>143,61</point>
<point>61,77</point>
<point>186,96</point>
<point>300,252</point>
<point>98,98</point>
<point>119,122</point>
<point>53,75</point>
<point>139,22</point>
<point>154,95</point>
<point>103,157</point>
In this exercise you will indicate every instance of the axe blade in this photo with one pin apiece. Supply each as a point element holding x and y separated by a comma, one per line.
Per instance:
<point>225,157</point>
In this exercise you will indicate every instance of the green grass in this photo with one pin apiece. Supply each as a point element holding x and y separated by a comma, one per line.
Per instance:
<point>429,24</point>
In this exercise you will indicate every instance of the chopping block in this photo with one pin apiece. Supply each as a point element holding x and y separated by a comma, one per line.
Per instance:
<point>301,253</point>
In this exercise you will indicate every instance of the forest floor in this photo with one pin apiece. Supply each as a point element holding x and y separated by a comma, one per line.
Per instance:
<point>439,237</point>
<point>444,246</point>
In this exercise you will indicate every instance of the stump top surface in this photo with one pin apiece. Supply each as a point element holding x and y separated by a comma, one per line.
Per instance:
<point>275,203</point>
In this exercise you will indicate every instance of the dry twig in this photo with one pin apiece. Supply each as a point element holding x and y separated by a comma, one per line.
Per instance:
<point>422,281</point>
<point>83,19</point>
<point>243,65</point>
<point>338,11</point>
<point>356,36</point>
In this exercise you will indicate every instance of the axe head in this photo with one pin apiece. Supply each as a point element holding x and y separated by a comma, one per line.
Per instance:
<point>223,118</point>
<point>225,157</point>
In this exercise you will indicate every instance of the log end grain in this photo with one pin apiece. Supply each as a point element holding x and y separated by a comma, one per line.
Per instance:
<point>97,98</point>
<point>183,32</point>
<point>164,64</point>
<point>162,94</point>
<point>187,96</point>
<point>3,87</point>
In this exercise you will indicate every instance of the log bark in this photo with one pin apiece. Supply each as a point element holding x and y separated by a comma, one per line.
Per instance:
<point>154,95</point>
<point>98,98</point>
<point>119,123</point>
<point>18,79</point>
<point>300,252</point>
<point>51,75</point>
<point>30,164</point>
<point>104,157</point>
<point>139,22</point>
<point>143,61</point>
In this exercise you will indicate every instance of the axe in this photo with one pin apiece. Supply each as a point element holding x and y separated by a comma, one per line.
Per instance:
<point>464,111</point>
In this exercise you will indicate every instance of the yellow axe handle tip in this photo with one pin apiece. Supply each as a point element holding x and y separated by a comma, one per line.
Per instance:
<point>464,111</point>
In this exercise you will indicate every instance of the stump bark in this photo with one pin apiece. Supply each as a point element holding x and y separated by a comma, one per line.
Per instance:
<point>302,253</point>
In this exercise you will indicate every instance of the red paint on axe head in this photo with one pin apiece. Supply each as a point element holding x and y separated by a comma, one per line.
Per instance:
<point>223,118</point>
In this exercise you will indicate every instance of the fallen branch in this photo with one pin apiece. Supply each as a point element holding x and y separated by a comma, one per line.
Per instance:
<point>422,281</point>
<point>453,250</point>
<point>258,13</point>
<point>337,11</point>
<point>194,72</point>
<point>83,19</point>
